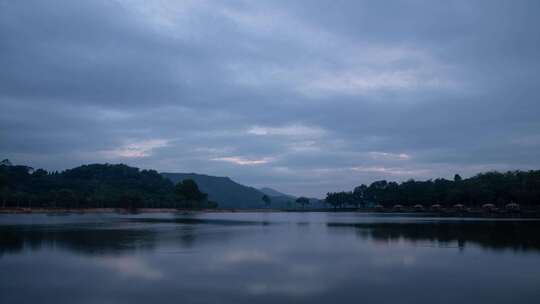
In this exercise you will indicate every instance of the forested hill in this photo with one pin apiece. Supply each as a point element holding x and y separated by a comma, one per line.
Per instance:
<point>118,186</point>
<point>228,193</point>
<point>88,186</point>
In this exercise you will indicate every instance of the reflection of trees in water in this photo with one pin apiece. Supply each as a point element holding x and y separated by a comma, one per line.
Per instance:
<point>190,229</point>
<point>498,235</point>
<point>194,220</point>
<point>187,235</point>
<point>15,239</point>
<point>147,235</point>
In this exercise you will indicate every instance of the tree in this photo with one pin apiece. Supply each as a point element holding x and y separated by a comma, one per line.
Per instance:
<point>332,199</point>
<point>4,186</point>
<point>188,194</point>
<point>340,199</point>
<point>303,201</point>
<point>118,185</point>
<point>65,198</point>
<point>130,201</point>
<point>266,199</point>
<point>359,195</point>
<point>5,194</point>
<point>211,205</point>
<point>494,187</point>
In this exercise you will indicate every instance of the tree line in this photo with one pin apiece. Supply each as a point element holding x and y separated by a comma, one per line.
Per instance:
<point>122,186</point>
<point>96,186</point>
<point>498,188</point>
<point>301,201</point>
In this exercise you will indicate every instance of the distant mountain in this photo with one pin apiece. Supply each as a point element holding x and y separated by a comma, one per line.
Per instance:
<point>279,199</point>
<point>282,200</point>
<point>226,192</point>
<point>230,194</point>
<point>273,192</point>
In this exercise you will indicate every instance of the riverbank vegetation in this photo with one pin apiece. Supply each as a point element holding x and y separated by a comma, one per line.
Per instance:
<point>512,188</point>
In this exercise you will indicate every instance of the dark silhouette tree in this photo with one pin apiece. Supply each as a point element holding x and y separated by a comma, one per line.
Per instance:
<point>490,187</point>
<point>332,199</point>
<point>303,201</point>
<point>188,194</point>
<point>130,201</point>
<point>266,199</point>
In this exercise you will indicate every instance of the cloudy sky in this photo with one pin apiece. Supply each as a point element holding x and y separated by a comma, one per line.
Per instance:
<point>303,96</point>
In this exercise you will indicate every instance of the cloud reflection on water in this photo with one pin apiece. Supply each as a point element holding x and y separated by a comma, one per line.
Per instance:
<point>237,258</point>
<point>130,267</point>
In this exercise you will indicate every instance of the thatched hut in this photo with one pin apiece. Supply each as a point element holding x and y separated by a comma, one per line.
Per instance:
<point>512,207</point>
<point>488,207</point>
<point>459,207</point>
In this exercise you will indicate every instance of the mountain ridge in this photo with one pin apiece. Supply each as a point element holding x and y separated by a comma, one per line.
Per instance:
<point>222,189</point>
<point>273,192</point>
<point>230,194</point>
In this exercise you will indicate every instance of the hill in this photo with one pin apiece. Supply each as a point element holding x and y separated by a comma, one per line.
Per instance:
<point>226,192</point>
<point>119,186</point>
<point>272,192</point>
<point>87,186</point>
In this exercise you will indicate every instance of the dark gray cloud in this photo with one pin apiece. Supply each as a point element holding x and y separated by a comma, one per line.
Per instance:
<point>303,96</point>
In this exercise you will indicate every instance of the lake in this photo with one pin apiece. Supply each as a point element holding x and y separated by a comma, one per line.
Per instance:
<point>267,258</point>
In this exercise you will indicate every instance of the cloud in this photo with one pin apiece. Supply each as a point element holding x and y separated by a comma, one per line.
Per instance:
<point>237,160</point>
<point>273,93</point>
<point>136,149</point>
<point>351,83</point>
<point>391,171</point>
<point>296,130</point>
<point>389,156</point>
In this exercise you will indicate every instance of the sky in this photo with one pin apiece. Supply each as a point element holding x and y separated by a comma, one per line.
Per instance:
<point>305,97</point>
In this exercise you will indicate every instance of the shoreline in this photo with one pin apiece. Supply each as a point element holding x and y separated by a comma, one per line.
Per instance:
<point>134,211</point>
<point>442,214</point>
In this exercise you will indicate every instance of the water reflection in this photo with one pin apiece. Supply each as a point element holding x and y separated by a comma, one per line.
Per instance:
<point>118,235</point>
<point>130,267</point>
<point>193,220</point>
<point>496,235</point>
<point>266,258</point>
<point>82,240</point>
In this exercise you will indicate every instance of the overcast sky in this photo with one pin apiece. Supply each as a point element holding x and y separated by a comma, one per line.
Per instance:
<point>302,96</point>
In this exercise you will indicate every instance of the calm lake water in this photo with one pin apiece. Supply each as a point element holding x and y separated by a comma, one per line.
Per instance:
<point>267,258</point>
